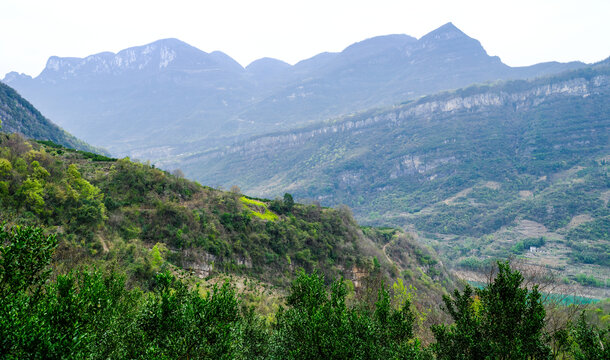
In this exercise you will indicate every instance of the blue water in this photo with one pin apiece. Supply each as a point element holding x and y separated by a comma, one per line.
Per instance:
<point>564,298</point>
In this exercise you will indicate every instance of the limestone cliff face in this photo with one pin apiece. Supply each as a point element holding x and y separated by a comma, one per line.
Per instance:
<point>533,96</point>
<point>487,97</point>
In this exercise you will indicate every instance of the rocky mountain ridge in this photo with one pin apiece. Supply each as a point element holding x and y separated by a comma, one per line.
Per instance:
<point>424,107</point>
<point>168,98</point>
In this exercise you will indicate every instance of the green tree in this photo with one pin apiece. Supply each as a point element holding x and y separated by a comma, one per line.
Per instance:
<point>83,314</point>
<point>503,321</point>
<point>25,254</point>
<point>319,325</point>
<point>38,172</point>
<point>5,167</point>
<point>32,191</point>
<point>178,323</point>
<point>461,340</point>
<point>288,202</point>
<point>589,343</point>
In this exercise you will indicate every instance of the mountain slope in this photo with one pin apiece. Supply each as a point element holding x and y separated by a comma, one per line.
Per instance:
<point>461,165</point>
<point>19,116</point>
<point>132,215</point>
<point>167,98</point>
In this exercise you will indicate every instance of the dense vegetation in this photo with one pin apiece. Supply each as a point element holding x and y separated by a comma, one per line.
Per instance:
<point>506,321</point>
<point>102,275</point>
<point>18,115</point>
<point>90,314</point>
<point>118,213</point>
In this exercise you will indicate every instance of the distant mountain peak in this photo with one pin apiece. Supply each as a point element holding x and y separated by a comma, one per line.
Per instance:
<point>451,44</point>
<point>15,76</point>
<point>53,63</point>
<point>445,32</point>
<point>169,42</point>
<point>155,56</point>
<point>379,44</point>
<point>448,27</point>
<point>266,62</point>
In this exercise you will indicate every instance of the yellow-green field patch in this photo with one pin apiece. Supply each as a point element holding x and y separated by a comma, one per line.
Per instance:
<point>258,209</point>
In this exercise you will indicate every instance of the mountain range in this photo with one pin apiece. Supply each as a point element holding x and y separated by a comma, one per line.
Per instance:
<point>168,98</point>
<point>453,162</point>
<point>477,172</point>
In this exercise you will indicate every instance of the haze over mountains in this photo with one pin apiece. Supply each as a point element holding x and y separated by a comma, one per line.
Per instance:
<point>167,98</point>
<point>17,115</point>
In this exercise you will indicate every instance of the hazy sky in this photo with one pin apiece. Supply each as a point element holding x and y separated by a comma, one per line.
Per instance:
<point>519,32</point>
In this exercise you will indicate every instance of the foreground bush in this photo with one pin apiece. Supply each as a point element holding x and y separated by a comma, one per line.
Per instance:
<point>318,325</point>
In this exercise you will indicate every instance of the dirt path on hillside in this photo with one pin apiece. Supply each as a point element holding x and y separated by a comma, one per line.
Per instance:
<point>104,245</point>
<point>386,254</point>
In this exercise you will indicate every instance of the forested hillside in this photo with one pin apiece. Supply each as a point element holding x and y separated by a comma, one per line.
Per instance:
<point>482,172</point>
<point>107,210</point>
<point>18,115</point>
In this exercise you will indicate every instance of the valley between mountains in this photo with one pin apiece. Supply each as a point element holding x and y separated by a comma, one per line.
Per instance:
<point>486,171</point>
<point>394,171</point>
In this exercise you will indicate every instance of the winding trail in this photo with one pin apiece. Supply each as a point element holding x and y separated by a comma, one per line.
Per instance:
<point>386,254</point>
<point>104,245</point>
